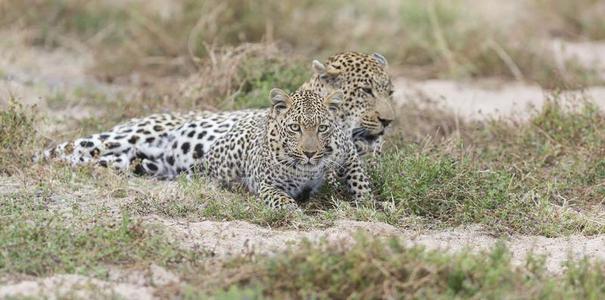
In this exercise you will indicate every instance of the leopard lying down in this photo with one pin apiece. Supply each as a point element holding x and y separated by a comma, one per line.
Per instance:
<point>364,114</point>
<point>282,154</point>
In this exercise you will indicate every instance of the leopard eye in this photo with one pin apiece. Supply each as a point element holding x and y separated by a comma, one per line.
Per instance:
<point>391,92</point>
<point>367,90</point>
<point>294,127</point>
<point>322,128</point>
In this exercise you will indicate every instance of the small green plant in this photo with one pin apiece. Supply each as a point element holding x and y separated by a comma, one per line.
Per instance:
<point>258,76</point>
<point>379,269</point>
<point>199,198</point>
<point>17,136</point>
<point>36,241</point>
<point>511,177</point>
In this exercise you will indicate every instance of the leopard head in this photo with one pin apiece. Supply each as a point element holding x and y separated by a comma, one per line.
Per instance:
<point>302,126</point>
<point>366,109</point>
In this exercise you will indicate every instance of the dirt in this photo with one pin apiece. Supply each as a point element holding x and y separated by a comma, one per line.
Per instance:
<point>33,75</point>
<point>74,287</point>
<point>226,239</point>
<point>484,99</point>
<point>586,54</point>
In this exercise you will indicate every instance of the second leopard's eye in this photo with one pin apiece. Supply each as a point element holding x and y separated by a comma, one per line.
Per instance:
<point>294,127</point>
<point>322,128</point>
<point>367,90</point>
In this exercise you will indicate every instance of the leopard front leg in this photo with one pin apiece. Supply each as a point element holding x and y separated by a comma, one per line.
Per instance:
<point>367,148</point>
<point>358,183</point>
<point>377,146</point>
<point>363,147</point>
<point>276,198</point>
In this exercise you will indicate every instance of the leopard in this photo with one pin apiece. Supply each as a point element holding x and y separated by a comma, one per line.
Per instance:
<point>368,90</point>
<point>366,113</point>
<point>282,155</point>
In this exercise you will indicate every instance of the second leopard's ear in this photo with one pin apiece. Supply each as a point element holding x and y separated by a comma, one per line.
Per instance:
<point>280,100</point>
<point>321,69</point>
<point>333,100</point>
<point>380,59</point>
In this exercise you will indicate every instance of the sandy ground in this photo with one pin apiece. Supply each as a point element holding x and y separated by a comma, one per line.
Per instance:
<point>225,239</point>
<point>228,239</point>
<point>32,75</point>
<point>74,287</point>
<point>484,99</point>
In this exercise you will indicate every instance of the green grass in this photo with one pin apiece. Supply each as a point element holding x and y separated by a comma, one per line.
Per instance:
<point>242,77</point>
<point>556,144</point>
<point>544,177</point>
<point>436,39</point>
<point>538,177</point>
<point>378,269</point>
<point>38,240</point>
<point>541,177</point>
<point>200,199</point>
<point>449,190</point>
<point>17,136</point>
<point>259,76</point>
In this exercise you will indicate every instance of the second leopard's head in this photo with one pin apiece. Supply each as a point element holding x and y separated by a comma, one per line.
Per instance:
<point>367,106</point>
<point>302,126</point>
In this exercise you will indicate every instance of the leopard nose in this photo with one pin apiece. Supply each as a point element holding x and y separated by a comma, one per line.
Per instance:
<point>309,154</point>
<point>385,122</point>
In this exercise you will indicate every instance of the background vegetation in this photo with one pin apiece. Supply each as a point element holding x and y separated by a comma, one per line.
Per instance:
<point>459,39</point>
<point>543,176</point>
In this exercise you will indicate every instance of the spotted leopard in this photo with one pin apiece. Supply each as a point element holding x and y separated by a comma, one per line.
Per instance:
<point>282,154</point>
<point>365,114</point>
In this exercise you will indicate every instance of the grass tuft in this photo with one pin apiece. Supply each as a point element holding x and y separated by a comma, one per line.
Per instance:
<point>242,77</point>
<point>17,137</point>
<point>37,241</point>
<point>378,269</point>
<point>543,177</point>
<point>259,76</point>
<point>434,39</point>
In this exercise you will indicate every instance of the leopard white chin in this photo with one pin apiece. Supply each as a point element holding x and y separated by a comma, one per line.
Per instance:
<point>308,164</point>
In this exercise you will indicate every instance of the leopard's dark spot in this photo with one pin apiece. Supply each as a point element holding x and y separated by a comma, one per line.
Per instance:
<point>198,151</point>
<point>185,147</point>
<point>87,144</point>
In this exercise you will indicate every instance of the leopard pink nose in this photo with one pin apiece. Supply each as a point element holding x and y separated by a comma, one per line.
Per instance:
<point>309,154</point>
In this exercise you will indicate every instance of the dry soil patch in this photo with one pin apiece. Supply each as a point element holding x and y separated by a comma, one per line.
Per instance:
<point>225,239</point>
<point>480,100</point>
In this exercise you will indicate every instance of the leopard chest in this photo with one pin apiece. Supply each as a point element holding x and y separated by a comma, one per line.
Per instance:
<point>300,183</point>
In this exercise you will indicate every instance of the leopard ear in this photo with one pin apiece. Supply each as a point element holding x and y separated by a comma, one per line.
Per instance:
<point>321,69</point>
<point>280,99</point>
<point>380,59</point>
<point>333,100</point>
<point>318,67</point>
